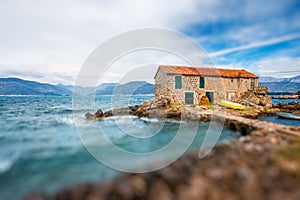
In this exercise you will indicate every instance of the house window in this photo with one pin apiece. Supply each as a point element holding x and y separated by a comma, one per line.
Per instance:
<point>231,80</point>
<point>189,97</point>
<point>252,83</point>
<point>231,96</point>
<point>178,82</point>
<point>202,82</point>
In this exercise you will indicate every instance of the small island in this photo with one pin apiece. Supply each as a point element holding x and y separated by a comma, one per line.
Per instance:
<point>261,164</point>
<point>189,93</point>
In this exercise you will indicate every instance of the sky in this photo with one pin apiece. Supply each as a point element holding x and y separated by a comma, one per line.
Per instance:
<point>49,41</point>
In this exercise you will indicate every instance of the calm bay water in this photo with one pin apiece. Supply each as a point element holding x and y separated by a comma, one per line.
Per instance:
<point>284,100</point>
<point>40,150</point>
<point>277,120</point>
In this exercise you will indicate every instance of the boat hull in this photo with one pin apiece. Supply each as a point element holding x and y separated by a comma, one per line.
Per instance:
<point>232,105</point>
<point>288,116</point>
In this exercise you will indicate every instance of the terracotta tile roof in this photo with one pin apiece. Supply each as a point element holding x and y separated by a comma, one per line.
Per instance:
<point>228,73</point>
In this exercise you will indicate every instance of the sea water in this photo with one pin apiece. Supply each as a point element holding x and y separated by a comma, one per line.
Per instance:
<point>284,100</point>
<point>40,150</point>
<point>278,120</point>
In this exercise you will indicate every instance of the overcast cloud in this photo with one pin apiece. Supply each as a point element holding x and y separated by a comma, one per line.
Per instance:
<point>49,40</point>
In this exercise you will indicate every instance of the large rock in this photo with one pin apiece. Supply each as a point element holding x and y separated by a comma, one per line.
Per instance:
<point>158,107</point>
<point>257,96</point>
<point>99,113</point>
<point>263,165</point>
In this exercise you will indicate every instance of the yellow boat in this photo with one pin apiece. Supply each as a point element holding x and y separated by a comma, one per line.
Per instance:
<point>232,105</point>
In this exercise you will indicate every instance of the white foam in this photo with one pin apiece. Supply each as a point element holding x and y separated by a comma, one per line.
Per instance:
<point>66,120</point>
<point>6,164</point>
<point>146,119</point>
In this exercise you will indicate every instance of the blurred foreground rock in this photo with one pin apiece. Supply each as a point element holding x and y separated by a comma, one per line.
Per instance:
<point>263,165</point>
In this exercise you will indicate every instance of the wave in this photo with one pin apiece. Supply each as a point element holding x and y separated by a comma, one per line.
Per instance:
<point>39,123</point>
<point>19,95</point>
<point>64,111</point>
<point>6,164</point>
<point>55,152</point>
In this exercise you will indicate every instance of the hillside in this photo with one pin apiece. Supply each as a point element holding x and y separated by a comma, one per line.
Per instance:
<point>134,87</point>
<point>290,85</point>
<point>16,86</point>
<point>106,88</point>
<point>81,90</point>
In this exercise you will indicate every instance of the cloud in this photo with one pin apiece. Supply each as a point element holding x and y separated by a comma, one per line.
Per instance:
<point>277,66</point>
<point>256,45</point>
<point>58,36</point>
<point>269,66</point>
<point>53,39</point>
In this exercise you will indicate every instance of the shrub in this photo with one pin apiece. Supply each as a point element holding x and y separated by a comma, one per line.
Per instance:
<point>261,103</point>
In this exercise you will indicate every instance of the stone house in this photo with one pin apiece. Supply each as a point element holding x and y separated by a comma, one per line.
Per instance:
<point>187,85</point>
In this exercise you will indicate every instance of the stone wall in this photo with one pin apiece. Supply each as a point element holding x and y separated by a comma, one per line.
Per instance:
<point>261,90</point>
<point>189,84</point>
<point>236,87</point>
<point>160,83</point>
<point>257,96</point>
<point>215,85</point>
<point>222,88</point>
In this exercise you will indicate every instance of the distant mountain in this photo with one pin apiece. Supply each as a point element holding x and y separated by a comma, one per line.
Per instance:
<point>79,89</point>
<point>16,86</point>
<point>268,79</point>
<point>281,84</point>
<point>295,79</point>
<point>106,88</point>
<point>134,87</point>
<point>290,87</point>
<point>68,87</point>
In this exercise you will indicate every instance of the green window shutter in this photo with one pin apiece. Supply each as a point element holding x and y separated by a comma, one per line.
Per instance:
<point>252,83</point>
<point>202,82</point>
<point>178,82</point>
<point>189,98</point>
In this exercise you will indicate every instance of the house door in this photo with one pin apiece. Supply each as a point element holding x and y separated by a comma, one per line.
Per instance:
<point>189,97</point>
<point>210,96</point>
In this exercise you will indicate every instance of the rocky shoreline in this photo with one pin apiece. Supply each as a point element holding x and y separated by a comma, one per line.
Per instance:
<point>164,107</point>
<point>287,107</point>
<point>294,96</point>
<point>263,164</point>
<point>159,107</point>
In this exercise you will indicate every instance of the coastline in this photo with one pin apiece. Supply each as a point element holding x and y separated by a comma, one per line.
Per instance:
<point>244,121</point>
<point>259,165</point>
<point>295,96</point>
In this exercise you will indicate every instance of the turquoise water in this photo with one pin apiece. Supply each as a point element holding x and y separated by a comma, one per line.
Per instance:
<point>277,120</point>
<point>284,100</point>
<point>40,150</point>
